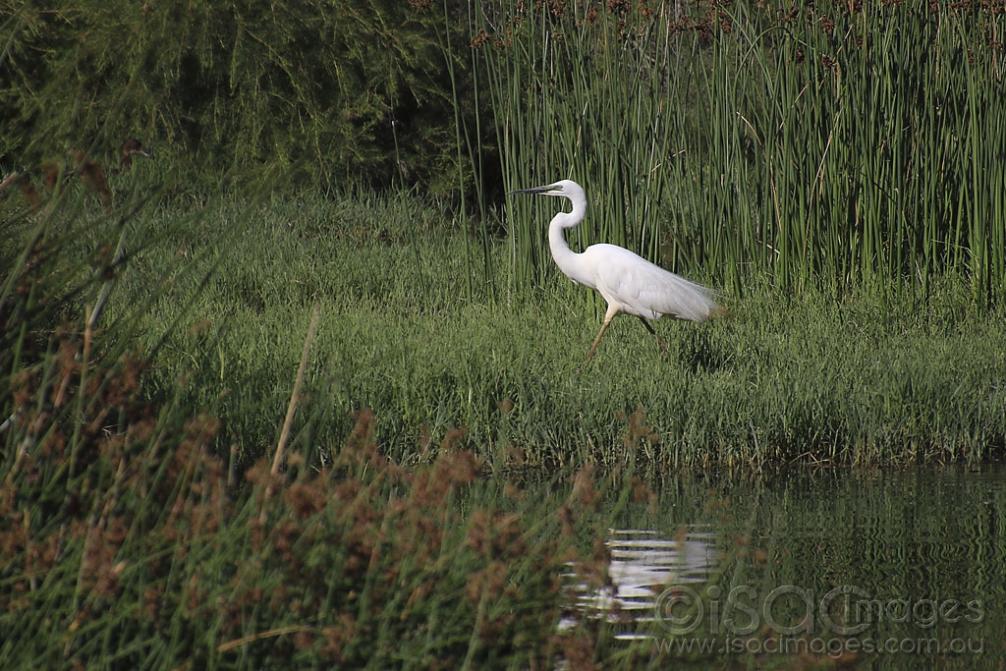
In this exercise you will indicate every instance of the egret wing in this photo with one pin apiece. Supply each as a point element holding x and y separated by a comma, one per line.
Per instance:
<point>642,288</point>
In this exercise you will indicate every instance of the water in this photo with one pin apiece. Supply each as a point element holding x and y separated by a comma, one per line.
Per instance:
<point>869,570</point>
<point>642,566</point>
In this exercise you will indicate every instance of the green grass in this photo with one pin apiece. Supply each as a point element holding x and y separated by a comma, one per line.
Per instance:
<point>855,378</point>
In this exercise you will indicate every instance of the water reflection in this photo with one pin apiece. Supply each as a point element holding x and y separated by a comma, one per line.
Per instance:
<point>883,567</point>
<point>643,564</point>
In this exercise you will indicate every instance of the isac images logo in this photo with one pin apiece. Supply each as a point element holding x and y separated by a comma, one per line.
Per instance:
<point>793,620</point>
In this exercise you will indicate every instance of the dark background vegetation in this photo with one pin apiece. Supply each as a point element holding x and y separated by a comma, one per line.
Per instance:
<point>314,93</point>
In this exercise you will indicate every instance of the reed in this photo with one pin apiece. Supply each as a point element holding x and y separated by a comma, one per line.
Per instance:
<point>836,144</point>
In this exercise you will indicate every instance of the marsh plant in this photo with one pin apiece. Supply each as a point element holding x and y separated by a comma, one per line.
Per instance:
<point>830,143</point>
<point>129,538</point>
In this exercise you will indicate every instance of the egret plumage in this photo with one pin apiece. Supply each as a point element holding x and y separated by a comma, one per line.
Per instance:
<point>627,282</point>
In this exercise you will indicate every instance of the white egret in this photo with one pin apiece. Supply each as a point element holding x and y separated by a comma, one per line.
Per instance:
<point>628,282</point>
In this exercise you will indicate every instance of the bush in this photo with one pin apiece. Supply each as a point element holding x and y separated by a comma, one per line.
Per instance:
<point>318,92</point>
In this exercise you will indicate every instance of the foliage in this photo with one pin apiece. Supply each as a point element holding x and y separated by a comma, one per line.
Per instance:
<point>834,144</point>
<point>141,525</point>
<point>317,93</point>
<point>128,540</point>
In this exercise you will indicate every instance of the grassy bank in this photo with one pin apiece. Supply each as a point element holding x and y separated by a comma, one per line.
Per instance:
<point>848,379</point>
<point>226,292</point>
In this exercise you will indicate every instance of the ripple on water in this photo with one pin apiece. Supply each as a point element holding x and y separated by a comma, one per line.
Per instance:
<point>643,564</point>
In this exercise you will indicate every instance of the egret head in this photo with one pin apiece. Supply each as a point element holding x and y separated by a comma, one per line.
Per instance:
<point>565,188</point>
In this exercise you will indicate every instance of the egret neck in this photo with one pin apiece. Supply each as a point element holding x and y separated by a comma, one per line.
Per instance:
<point>569,262</point>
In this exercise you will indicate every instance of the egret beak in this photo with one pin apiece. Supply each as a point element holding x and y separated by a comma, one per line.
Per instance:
<point>534,189</point>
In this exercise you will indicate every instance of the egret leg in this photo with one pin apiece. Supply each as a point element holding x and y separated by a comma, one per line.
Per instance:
<point>608,316</point>
<point>660,341</point>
